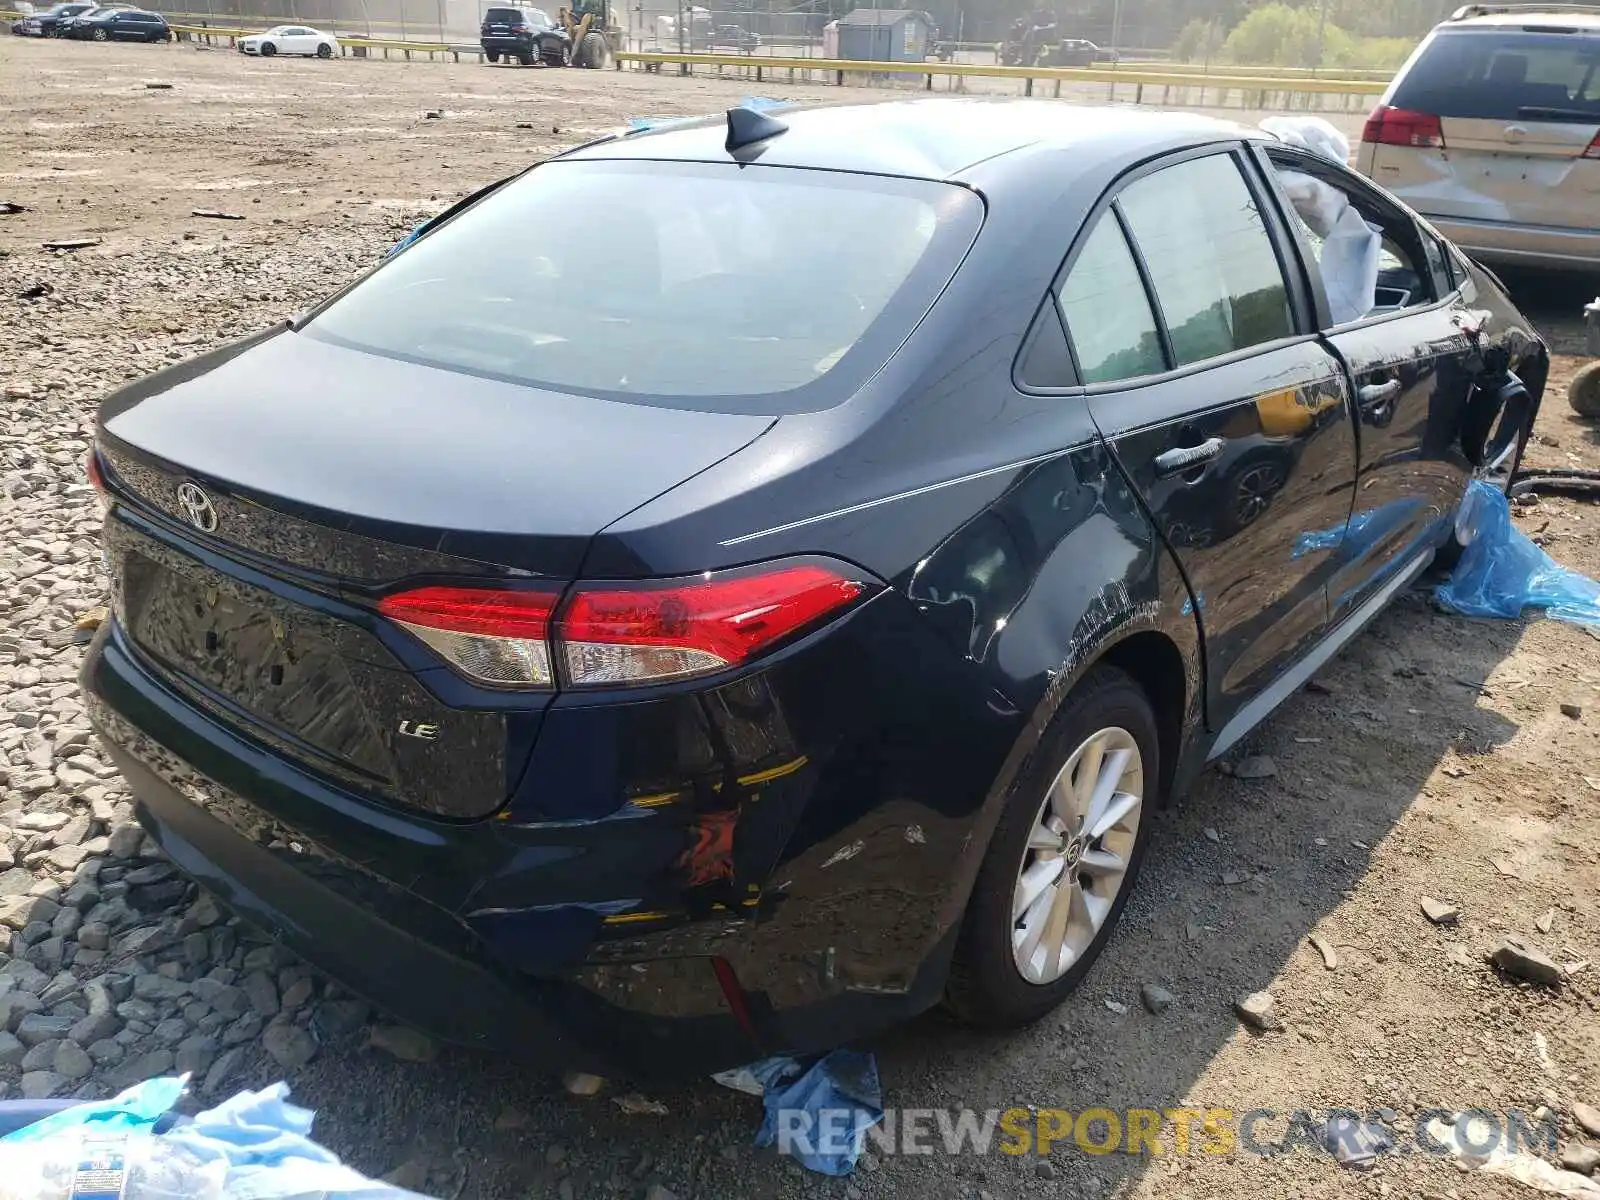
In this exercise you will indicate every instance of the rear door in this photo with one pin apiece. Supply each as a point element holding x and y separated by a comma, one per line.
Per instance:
<point>1228,417</point>
<point>1518,111</point>
<point>1412,358</point>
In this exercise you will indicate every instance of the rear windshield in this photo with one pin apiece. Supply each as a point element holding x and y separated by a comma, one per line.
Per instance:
<point>1505,75</point>
<point>739,289</point>
<point>504,16</point>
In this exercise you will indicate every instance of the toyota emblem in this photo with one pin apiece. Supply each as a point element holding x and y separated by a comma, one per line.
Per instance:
<point>197,508</point>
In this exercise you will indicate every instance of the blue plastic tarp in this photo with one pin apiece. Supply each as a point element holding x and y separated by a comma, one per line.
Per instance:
<point>1503,574</point>
<point>819,1113</point>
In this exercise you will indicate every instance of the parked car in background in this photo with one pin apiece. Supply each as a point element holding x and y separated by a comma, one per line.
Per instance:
<point>121,25</point>
<point>1077,52</point>
<point>1492,131</point>
<point>586,649</point>
<point>290,39</point>
<point>524,35</point>
<point>67,26</point>
<point>43,24</point>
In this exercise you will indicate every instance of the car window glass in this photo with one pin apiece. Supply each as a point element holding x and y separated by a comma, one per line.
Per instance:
<point>1107,310</point>
<point>672,300</point>
<point>1340,241</point>
<point>1211,261</point>
<point>1506,75</point>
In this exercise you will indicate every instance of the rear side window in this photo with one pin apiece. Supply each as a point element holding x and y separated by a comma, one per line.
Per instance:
<point>693,285</point>
<point>1108,312</point>
<point>1504,75</point>
<point>1211,261</point>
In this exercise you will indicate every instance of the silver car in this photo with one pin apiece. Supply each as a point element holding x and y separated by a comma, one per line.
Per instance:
<point>1492,131</point>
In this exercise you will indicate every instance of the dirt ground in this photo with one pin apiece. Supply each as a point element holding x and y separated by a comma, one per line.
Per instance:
<point>1433,758</point>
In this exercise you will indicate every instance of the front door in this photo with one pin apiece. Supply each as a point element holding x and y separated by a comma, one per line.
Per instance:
<point>1228,417</point>
<point>1411,361</point>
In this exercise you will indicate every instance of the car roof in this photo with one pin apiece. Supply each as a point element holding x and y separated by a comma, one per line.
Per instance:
<point>1544,16</point>
<point>930,139</point>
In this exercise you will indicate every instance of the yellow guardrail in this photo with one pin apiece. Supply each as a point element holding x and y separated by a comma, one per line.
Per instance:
<point>840,67</point>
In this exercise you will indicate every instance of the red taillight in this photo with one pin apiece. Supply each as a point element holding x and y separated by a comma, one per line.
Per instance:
<point>92,468</point>
<point>626,633</point>
<point>1401,127</point>
<point>637,633</point>
<point>496,637</point>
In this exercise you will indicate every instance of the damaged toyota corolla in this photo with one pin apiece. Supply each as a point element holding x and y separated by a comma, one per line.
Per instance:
<point>779,610</point>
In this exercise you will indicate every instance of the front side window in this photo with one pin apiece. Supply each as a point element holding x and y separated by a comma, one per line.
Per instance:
<point>709,286</point>
<point>1107,311</point>
<point>1215,272</point>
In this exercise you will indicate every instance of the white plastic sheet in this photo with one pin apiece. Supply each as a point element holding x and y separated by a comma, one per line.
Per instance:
<point>1350,246</point>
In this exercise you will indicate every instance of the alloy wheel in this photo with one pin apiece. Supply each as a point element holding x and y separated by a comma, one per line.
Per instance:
<point>1077,856</point>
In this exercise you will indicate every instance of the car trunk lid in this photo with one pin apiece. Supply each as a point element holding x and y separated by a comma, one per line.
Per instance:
<point>272,491</point>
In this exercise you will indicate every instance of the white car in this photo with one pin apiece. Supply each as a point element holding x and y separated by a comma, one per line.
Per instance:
<point>290,39</point>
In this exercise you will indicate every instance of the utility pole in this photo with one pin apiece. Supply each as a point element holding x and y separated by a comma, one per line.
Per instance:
<point>1322,33</point>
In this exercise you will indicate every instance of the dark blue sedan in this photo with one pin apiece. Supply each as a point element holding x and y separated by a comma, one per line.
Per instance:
<point>779,608</point>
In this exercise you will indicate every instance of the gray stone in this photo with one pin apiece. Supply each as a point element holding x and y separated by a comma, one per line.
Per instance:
<point>1156,998</point>
<point>291,1046</point>
<point>262,994</point>
<point>94,1027</point>
<point>657,1191</point>
<point>98,997</point>
<point>406,1044</point>
<point>15,1008</point>
<point>245,1029</point>
<point>1259,1011</point>
<point>158,988</point>
<point>195,1054</point>
<point>49,954</point>
<point>1439,912</point>
<point>41,1085</point>
<point>139,1010</point>
<point>1257,766</point>
<point>336,1019</point>
<point>1575,1156</point>
<point>39,1027</point>
<point>222,1070</point>
<point>66,922</point>
<point>297,993</point>
<point>1587,1117</point>
<point>197,948</point>
<point>223,998</point>
<point>125,840</point>
<point>41,1056</point>
<point>11,1050</point>
<point>72,1061</point>
<point>19,912</point>
<point>1517,958</point>
<point>106,1052</point>
<point>171,1031</point>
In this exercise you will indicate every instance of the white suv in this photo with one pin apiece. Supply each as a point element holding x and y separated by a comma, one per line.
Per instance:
<point>1492,131</point>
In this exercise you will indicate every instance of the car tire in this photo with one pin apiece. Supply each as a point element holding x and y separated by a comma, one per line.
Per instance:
<point>492,55</point>
<point>100,35</point>
<point>592,51</point>
<point>268,49</point>
<point>525,59</point>
<point>1107,728</point>
<point>324,50</point>
<point>1584,391</point>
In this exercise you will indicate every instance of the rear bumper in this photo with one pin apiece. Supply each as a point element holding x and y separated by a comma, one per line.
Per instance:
<point>493,934</point>
<point>1541,246</point>
<point>509,45</point>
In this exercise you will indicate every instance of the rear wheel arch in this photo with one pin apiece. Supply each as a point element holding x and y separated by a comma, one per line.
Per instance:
<point>1154,662</point>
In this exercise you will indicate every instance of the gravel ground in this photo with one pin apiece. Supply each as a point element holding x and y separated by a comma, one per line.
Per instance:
<point>1432,759</point>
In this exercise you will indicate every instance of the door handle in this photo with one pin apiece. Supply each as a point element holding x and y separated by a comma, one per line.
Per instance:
<point>1187,458</point>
